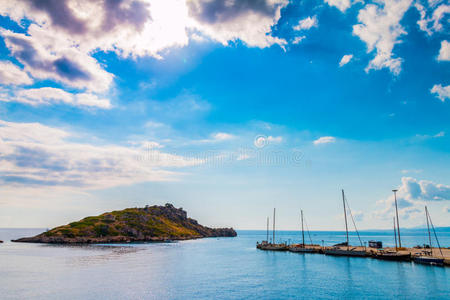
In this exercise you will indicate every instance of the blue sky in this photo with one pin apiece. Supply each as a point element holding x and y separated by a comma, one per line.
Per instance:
<point>226,109</point>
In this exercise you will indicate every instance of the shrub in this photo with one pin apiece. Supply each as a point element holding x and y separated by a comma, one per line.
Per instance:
<point>101,230</point>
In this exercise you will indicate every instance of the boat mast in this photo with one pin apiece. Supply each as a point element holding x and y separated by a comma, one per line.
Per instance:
<point>273,225</point>
<point>428,227</point>
<point>396,212</point>
<point>345,216</point>
<point>267,234</point>
<point>395,235</point>
<point>435,235</point>
<point>303,231</point>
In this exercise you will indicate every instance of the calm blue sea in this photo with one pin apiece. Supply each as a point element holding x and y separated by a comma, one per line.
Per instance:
<point>214,268</point>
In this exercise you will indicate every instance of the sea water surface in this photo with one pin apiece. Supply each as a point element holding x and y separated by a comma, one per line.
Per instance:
<point>213,268</point>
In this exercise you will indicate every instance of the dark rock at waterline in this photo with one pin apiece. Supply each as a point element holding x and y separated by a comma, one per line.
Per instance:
<point>148,224</point>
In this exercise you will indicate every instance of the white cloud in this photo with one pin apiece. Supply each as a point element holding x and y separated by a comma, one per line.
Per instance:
<point>91,100</point>
<point>274,139</point>
<point>223,136</point>
<point>214,138</point>
<point>412,196</point>
<point>47,56</point>
<point>151,145</point>
<point>248,21</point>
<point>442,92</point>
<point>411,171</point>
<point>345,59</point>
<point>130,27</point>
<point>380,29</point>
<point>44,95</point>
<point>413,190</point>
<point>49,95</point>
<point>297,40</point>
<point>439,134</point>
<point>37,155</point>
<point>444,52</point>
<point>431,17</point>
<point>10,74</point>
<point>153,124</point>
<point>307,23</point>
<point>324,140</point>
<point>428,136</point>
<point>64,34</point>
<point>342,5</point>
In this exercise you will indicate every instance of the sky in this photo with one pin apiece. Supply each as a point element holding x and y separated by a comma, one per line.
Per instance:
<point>227,109</point>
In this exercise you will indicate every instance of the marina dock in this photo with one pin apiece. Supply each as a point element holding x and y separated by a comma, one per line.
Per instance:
<point>405,254</point>
<point>423,255</point>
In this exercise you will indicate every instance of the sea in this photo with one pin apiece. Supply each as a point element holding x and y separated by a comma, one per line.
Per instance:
<point>215,268</point>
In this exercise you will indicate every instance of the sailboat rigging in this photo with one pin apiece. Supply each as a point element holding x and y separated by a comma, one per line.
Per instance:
<point>337,250</point>
<point>427,257</point>
<point>266,245</point>
<point>302,247</point>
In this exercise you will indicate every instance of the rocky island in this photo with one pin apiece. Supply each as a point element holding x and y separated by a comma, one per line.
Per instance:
<point>148,224</point>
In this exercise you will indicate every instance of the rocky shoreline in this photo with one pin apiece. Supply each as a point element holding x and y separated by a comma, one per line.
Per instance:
<point>106,240</point>
<point>149,224</point>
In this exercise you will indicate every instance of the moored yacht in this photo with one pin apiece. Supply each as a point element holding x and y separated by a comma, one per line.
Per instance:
<point>266,245</point>
<point>427,257</point>
<point>337,251</point>
<point>302,248</point>
<point>344,249</point>
<point>392,255</point>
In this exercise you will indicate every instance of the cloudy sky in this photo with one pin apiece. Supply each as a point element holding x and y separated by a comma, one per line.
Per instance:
<point>225,108</point>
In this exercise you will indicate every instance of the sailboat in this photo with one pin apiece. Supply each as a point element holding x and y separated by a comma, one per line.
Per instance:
<point>427,257</point>
<point>273,246</point>
<point>337,249</point>
<point>394,255</point>
<point>266,242</point>
<point>301,247</point>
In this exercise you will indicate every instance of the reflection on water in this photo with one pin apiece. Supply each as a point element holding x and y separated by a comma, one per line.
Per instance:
<point>225,268</point>
<point>105,253</point>
<point>403,284</point>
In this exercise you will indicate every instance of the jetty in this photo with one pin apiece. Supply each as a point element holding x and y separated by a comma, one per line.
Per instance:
<point>415,254</point>
<point>429,255</point>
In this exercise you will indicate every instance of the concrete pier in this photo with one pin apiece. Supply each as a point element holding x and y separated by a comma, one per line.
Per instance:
<point>402,253</point>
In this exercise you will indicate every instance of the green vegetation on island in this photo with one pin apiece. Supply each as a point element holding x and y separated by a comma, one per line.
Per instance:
<point>151,223</point>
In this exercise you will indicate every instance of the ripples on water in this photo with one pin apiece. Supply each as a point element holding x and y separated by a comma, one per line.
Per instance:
<point>225,268</point>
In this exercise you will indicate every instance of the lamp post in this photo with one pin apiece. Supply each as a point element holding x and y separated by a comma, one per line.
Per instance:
<point>396,212</point>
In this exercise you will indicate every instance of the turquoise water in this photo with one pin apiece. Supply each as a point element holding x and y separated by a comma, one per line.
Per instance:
<point>215,268</point>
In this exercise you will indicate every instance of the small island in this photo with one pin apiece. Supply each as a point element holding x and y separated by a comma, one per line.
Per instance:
<point>148,224</point>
